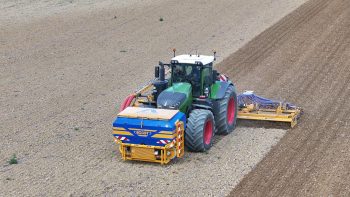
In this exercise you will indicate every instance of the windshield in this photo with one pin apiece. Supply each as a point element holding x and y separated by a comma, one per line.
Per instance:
<point>186,73</point>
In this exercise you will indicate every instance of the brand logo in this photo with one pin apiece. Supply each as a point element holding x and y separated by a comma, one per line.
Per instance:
<point>142,133</point>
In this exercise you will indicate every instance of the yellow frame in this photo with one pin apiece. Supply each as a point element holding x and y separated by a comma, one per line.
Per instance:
<point>278,115</point>
<point>138,152</point>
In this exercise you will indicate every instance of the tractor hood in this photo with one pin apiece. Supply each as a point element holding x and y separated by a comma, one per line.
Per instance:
<point>175,97</point>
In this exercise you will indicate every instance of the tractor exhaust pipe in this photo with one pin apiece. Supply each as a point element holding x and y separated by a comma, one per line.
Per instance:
<point>159,83</point>
<point>161,72</point>
<point>156,72</point>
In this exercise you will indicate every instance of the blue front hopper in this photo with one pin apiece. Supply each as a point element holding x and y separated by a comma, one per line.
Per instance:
<point>147,126</point>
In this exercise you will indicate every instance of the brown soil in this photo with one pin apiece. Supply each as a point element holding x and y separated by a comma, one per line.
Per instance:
<point>305,59</point>
<point>65,66</point>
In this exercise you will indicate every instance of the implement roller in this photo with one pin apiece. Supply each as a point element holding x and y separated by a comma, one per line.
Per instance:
<point>253,107</point>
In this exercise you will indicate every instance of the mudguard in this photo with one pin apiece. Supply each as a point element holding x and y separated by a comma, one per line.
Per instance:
<point>218,89</point>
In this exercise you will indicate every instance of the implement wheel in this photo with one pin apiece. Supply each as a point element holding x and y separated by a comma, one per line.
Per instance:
<point>226,112</point>
<point>200,130</point>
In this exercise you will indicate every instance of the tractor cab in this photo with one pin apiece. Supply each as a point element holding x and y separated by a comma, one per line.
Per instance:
<point>191,79</point>
<point>195,70</point>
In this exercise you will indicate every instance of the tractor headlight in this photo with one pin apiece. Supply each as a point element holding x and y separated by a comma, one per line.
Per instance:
<point>206,92</point>
<point>175,106</point>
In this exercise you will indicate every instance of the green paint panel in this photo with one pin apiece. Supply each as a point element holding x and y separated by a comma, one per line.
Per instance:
<point>185,88</point>
<point>215,89</point>
<point>218,89</point>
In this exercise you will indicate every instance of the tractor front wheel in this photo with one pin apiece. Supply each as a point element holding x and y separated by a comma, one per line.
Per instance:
<point>200,130</point>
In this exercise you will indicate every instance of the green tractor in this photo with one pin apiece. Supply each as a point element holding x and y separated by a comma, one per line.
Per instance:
<point>188,105</point>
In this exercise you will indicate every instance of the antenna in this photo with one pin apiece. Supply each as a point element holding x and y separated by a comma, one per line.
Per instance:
<point>191,51</point>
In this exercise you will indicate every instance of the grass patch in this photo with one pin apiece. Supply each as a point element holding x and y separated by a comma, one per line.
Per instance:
<point>76,128</point>
<point>123,51</point>
<point>13,160</point>
<point>161,19</point>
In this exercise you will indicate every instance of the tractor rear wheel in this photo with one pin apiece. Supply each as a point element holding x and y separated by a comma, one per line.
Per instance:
<point>200,130</point>
<point>226,112</point>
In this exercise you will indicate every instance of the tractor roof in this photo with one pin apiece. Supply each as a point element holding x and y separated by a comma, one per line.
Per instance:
<point>193,59</point>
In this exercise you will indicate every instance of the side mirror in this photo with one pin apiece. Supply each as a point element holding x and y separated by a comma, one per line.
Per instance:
<point>215,75</point>
<point>156,72</point>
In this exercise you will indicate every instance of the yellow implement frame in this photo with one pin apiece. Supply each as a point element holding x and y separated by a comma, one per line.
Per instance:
<point>252,112</point>
<point>157,154</point>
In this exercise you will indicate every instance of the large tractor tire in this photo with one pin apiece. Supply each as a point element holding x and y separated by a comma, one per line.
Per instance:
<point>225,112</point>
<point>200,130</point>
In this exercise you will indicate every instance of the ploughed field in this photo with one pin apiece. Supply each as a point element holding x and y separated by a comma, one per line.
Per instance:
<point>65,66</point>
<point>306,58</point>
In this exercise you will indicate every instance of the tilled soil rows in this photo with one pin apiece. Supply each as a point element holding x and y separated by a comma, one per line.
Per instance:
<point>304,59</point>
